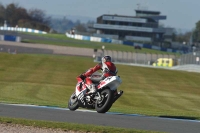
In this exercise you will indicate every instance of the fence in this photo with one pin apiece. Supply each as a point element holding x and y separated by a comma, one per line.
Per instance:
<point>134,57</point>
<point>148,59</point>
<point>190,58</point>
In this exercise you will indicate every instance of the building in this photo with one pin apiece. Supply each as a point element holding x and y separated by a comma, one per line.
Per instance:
<point>144,27</point>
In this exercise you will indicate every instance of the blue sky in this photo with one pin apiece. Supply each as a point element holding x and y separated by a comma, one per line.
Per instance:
<point>181,14</point>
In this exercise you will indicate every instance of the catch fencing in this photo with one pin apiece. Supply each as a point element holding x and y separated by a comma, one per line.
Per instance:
<point>190,58</point>
<point>134,57</point>
<point>149,59</point>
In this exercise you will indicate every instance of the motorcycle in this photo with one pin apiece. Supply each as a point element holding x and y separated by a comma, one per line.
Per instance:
<point>101,100</point>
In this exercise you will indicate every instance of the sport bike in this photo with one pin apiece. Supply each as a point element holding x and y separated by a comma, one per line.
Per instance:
<point>102,99</point>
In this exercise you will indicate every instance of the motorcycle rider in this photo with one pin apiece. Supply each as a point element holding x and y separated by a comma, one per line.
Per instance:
<point>108,69</point>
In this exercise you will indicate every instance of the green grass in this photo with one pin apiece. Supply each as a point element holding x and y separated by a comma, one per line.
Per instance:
<point>71,126</point>
<point>63,40</point>
<point>50,80</point>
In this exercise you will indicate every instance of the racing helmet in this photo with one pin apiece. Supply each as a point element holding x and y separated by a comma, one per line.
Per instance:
<point>106,58</point>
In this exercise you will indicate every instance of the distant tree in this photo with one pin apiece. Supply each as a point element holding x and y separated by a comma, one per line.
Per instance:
<point>78,22</point>
<point>24,23</point>
<point>81,28</point>
<point>2,14</point>
<point>39,16</point>
<point>187,36</point>
<point>13,13</point>
<point>181,37</point>
<point>88,25</point>
<point>10,14</point>
<point>196,33</point>
<point>16,15</point>
<point>174,37</point>
<point>90,22</point>
<point>38,19</point>
<point>84,27</point>
<point>61,25</point>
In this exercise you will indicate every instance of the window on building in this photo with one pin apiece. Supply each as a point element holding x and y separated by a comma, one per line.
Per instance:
<point>117,23</point>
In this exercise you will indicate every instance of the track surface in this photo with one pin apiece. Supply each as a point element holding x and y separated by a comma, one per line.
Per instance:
<point>108,119</point>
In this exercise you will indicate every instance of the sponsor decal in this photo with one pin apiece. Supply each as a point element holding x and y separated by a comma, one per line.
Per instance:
<point>101,84</point>
<point>81,98</point>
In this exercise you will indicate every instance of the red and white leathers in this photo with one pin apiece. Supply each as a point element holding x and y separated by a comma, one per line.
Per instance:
<point>108,69</point>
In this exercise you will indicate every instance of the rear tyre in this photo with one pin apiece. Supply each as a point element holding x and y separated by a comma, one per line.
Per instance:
<point>73,102</point>
<point>103,104</point>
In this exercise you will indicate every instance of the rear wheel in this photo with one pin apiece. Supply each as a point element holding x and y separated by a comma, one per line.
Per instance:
<point>73,102</point>
<point>104,103</point>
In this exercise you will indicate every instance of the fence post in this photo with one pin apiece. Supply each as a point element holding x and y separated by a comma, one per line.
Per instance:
<point>136,57</point>
<point>122,56</point>
<point>117,56</point>
<point>156,56</point>
<point>127,56</point>
<point>112,54</point>
<point>185,60</point>
<point>132,57</point>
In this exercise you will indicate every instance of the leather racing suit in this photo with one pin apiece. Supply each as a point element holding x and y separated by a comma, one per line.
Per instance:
<point>108,69</point>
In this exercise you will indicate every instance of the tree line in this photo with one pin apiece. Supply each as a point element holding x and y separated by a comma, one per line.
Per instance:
<point>62,25</point>
<point>16,15</point>
<point>188,37</point>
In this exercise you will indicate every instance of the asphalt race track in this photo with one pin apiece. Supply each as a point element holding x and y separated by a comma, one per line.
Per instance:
<point>108,119</point>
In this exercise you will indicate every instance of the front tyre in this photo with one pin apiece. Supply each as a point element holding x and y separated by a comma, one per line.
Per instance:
<point>73,102</point>
<point>104,103</point>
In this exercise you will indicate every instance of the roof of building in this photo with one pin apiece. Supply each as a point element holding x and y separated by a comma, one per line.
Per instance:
<point>119,15</point>
<point>147,12</point>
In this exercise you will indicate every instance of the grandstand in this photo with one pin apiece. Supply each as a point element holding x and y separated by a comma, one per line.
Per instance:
<point>144,27</point>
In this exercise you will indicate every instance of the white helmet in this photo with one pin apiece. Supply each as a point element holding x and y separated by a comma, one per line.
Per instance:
<point>106,58</point>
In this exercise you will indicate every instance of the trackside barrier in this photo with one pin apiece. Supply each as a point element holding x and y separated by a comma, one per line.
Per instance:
<point>107,40</point>
<point>10,38</point>
<point>22,30</point>
<point>95,39</point>
<point>86,38</point>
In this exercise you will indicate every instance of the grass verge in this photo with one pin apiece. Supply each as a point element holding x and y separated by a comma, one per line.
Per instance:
<point>50,80</point>
<point>70,126</point>
<point>63,40</point>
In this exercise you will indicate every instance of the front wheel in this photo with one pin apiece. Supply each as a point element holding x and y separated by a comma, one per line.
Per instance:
<point>73,102</point>
<point>104,103</point>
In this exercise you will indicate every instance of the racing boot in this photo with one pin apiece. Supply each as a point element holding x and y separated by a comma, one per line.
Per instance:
<point>92,88</point>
